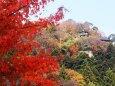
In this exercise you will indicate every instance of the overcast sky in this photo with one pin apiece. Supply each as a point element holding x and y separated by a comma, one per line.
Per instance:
<point>99,12</point>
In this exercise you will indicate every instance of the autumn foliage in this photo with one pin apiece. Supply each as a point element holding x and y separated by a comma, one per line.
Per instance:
<point>76,77</point>
<point>20,66</point>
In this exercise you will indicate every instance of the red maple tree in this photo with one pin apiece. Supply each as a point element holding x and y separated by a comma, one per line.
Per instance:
<point>18,67</point>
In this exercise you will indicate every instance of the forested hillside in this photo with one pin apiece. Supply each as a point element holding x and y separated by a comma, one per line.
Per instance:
<point>47,52</point>
<point>84,54</point>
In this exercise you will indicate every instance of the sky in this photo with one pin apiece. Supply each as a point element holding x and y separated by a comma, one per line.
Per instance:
<point>101,13</point>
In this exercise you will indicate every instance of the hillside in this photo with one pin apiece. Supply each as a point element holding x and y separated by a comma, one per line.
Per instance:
<point>84,52</point>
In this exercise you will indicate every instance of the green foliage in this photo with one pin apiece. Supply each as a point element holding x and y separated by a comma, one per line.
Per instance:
<point>64,50</point>
<point>63,74</point>
<point>75,63</point>
<point>110,51</point>
<point>69,62</point>
<point>97,71</point>
<point>100,53</point>
<point>91,84</point>
<point>69,42</point>
<point>55,52</point>
<point>11,52</point>
<point>54,28</point>
<point>109,77</point>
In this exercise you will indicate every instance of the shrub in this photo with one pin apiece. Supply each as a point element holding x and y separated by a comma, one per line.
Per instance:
<point>55,52</point>
<point>76,77</point>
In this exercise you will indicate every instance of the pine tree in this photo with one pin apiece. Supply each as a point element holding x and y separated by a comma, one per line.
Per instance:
<point>110,50</point>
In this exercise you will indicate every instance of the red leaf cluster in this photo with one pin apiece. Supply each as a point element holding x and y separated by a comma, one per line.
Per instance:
<point>21,67</point>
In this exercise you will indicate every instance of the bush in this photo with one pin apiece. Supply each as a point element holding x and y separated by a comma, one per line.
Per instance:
<point>69,83</point>
<point>76,77</point>
<point>55,52</point>
<point>64,50</point>
<point>63,74</point>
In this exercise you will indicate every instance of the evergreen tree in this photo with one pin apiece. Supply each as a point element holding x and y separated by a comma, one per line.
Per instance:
<point>110,51</point>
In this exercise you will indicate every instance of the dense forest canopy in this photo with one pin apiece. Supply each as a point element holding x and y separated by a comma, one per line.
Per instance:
<point>48,53</point>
